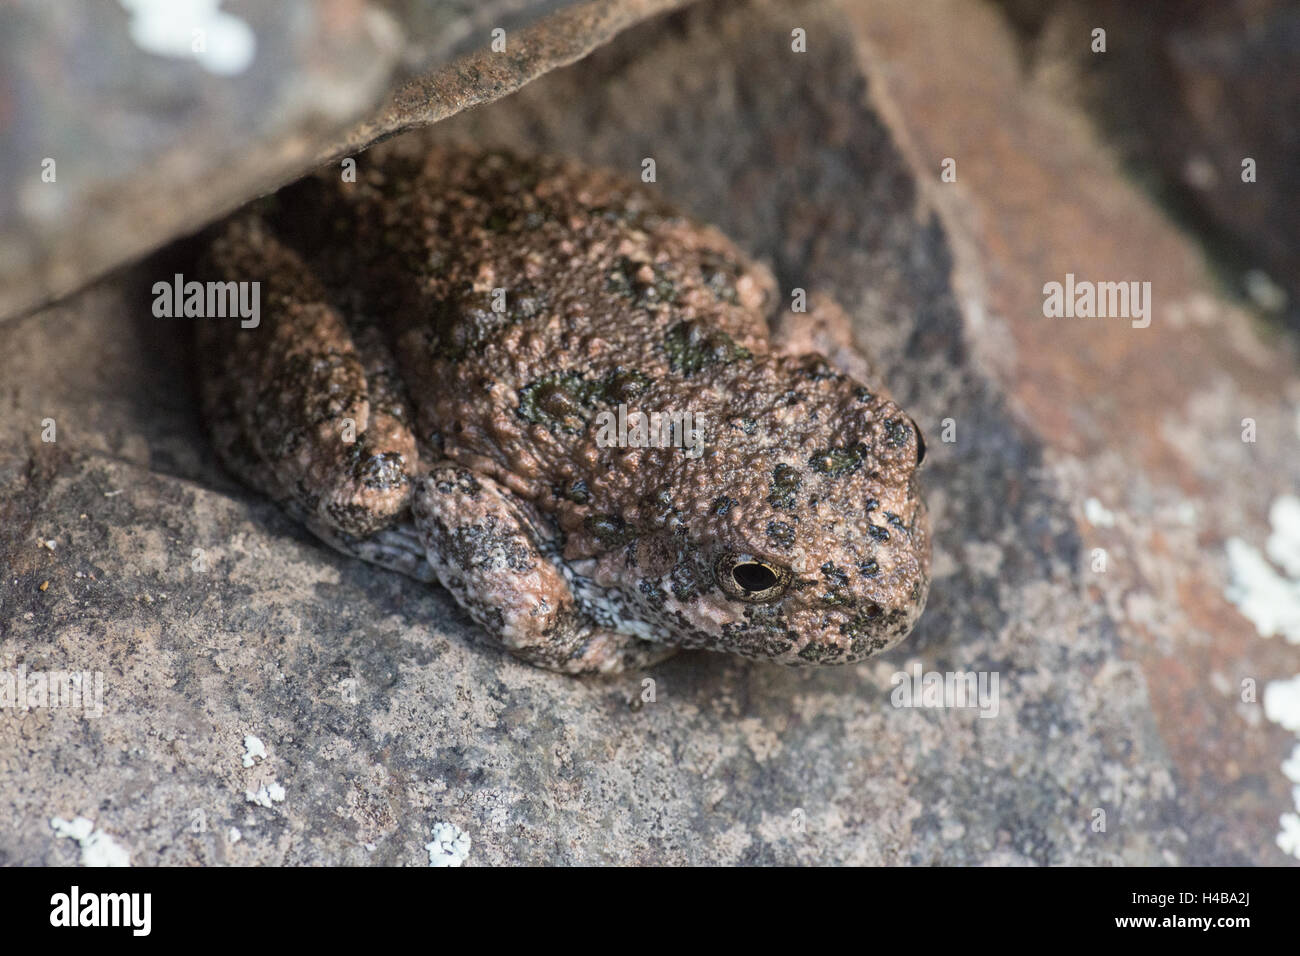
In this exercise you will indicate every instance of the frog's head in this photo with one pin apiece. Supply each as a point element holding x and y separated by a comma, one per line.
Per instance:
<point>800,536</point>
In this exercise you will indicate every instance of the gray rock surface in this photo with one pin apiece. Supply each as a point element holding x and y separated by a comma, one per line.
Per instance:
<point>126,124</point>
<point>383,715</point>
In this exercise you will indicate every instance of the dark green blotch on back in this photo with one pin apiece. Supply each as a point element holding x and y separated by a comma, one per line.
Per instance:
<point>559,400</point>
<point>465,321</point>
<point>838,462</point>
<point>694,345</point>
<point>564,400</point>
<point>625,385</point>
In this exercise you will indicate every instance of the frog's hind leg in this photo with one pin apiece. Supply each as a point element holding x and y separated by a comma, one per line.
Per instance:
<point>484,548</point>
<point>298,406</point>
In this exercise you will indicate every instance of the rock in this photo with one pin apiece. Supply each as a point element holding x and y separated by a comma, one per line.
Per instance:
<point>132,123</point>
<point>1191,94</point>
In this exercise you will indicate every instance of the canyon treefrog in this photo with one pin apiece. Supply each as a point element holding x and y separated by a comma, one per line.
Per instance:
<point>439,340</point>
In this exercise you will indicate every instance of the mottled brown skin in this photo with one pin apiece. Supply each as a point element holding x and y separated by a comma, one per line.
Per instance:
<point>799,535</point>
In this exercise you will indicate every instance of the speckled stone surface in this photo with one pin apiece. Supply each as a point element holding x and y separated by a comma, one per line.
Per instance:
<point>119,135</point>
<point>392,729</point>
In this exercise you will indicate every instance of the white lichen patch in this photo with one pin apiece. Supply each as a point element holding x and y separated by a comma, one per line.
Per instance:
<point>1282,703</point>
<point>266,795</point>
<point>450,846</point>
<point>254,750</point>
<point>97,847</point>
<point>1271,601</point>
<point>1098,515</point>
<point>1291,766</point>
<point>192,30</point>
<point>1283,544</point>
<point>1268,599</point>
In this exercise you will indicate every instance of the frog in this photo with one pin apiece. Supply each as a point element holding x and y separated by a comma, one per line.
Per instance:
<point>440,340</point>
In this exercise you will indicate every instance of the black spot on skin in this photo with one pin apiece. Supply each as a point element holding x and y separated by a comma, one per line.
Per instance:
<point>500,218</point>
<point>866,632</point>
<point>836,584</point>
<point>688,581</point>
<point>723,504</point>
<point>814,368</point>
<point>578,492</point>
<point>652,590</point>
<point>838,462</point>
<point>380,472</point>
<point>485,546</point>
<point>897,432</point>
<point>460,481</point>
<point>624,279</point>
<point>834,576</point>
<point>765,633</point>
<point>869,569</point>
<point>877,532</point>
<point>815,653</point>
<point>896,521</point>
<point>610,530</point>
<point>659,504</point>
<point>719,274</point>
<point>465,320</point>
<point>780,534</point>
<point>784,493</point>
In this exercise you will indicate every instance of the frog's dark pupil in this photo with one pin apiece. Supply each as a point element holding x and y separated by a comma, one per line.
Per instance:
<point>752,576</point>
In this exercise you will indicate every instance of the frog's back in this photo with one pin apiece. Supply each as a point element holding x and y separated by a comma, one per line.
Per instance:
<point>520,296</point>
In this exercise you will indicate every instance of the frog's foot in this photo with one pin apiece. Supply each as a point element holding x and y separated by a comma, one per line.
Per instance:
<point>484,548</point>
<point>826,329</point>
<point>298,407</point>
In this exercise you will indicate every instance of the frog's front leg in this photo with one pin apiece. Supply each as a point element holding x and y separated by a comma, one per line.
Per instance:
<point>484,548</point>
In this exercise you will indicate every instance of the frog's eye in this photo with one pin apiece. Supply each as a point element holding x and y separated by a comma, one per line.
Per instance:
<point>748,578</point>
